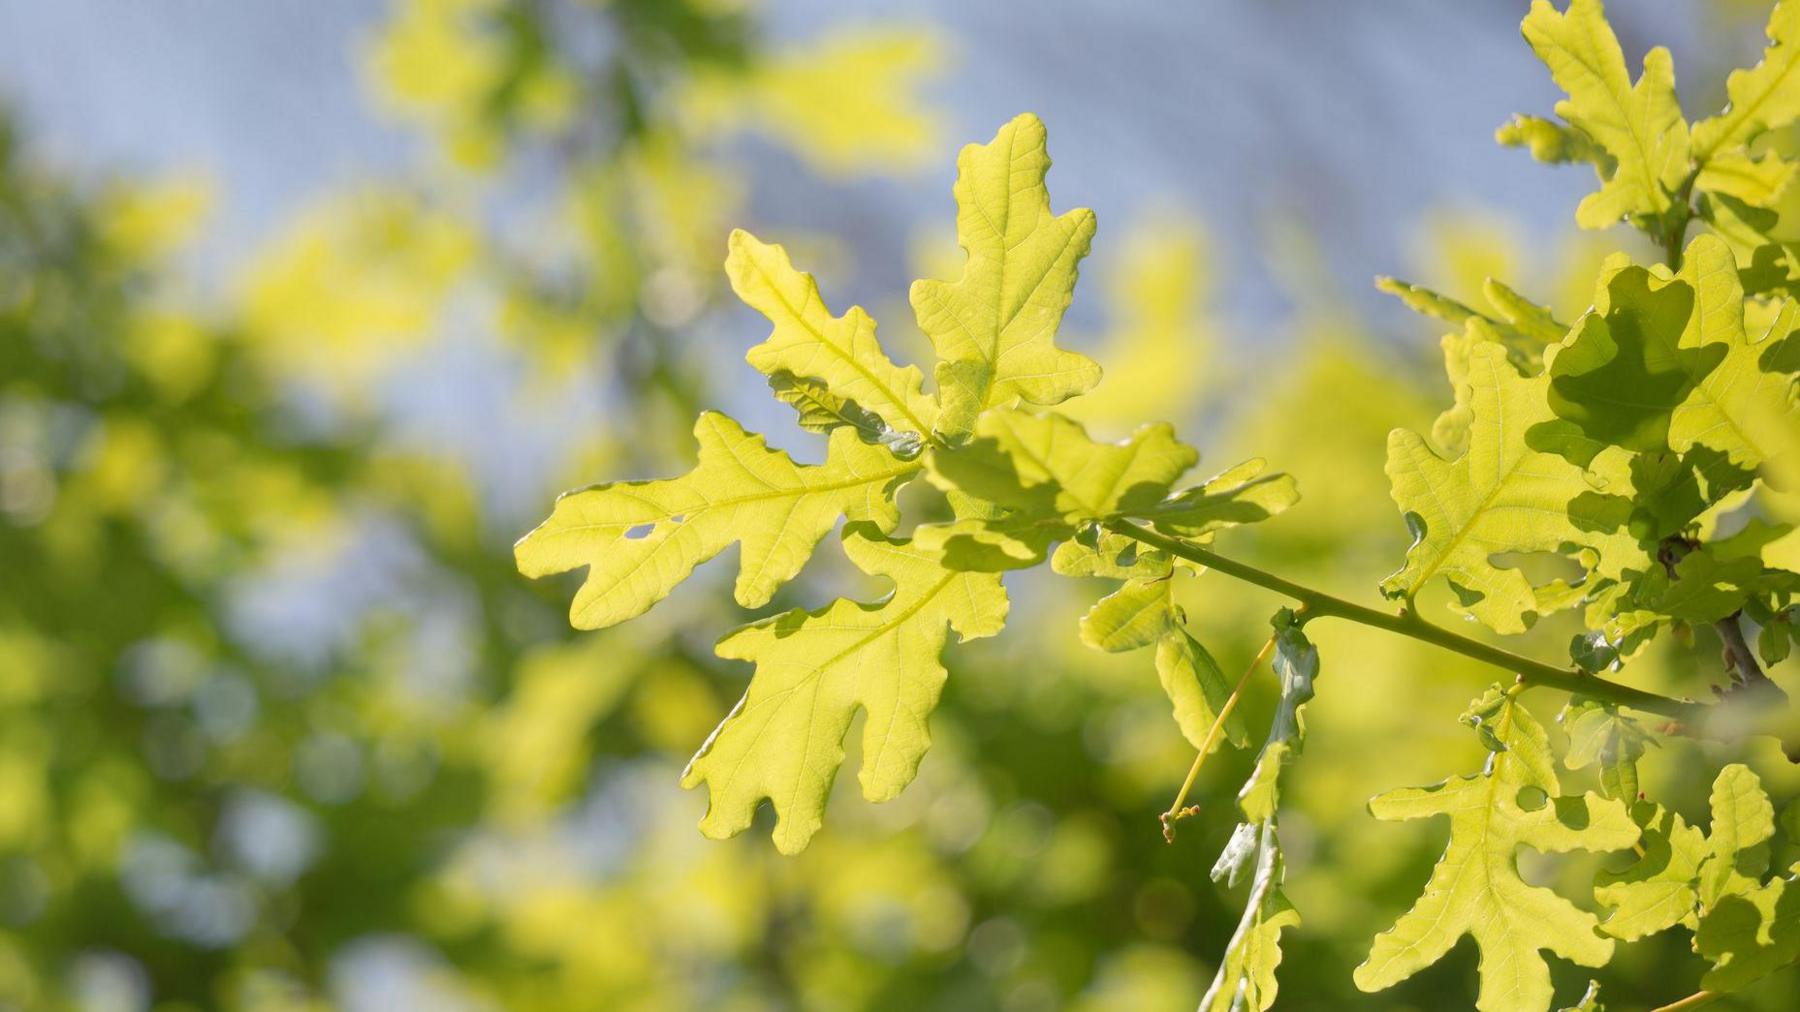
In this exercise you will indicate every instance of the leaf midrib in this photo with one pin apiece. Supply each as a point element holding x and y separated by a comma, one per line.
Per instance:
<point>712,504</point>
<point>898,401</point>
<point>814,673</point>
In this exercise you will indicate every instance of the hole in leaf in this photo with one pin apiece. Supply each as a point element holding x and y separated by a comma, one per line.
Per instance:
<point>1532,798</point>
<point>639,532</point>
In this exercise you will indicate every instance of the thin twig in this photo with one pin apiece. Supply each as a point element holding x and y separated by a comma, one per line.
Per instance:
<point>1176,812</point>
<point>1407,623</point>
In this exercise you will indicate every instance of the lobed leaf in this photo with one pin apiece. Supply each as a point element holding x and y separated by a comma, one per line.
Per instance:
<point>1639,126</point>
<point>1668,363</point>
<point>1761,98</point>
<point>784,739</point>
<point>1047,467</point>
<point>1749,936</point>
<point>1520,326</point>
<point>1476,889</point>
<point>639,539</point>
<point>1683,876</point>
<point>1499,496</point>
<point>994,328</point>
<point>1655,892</point>
<point>836,353</point>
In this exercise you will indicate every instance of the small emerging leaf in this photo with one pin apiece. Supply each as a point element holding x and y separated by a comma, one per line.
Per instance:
<point>1141,613</point>
<point>1554,143</point>
<point>1590,1000</point>
<point>1296,664</point>
<point>1246,977</point>
<point>1600,735</point>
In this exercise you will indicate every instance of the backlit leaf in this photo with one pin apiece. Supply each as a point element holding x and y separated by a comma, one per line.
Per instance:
<point>784,740</point>
<point>1553,142</point>
<point>1670,362</point>
<point>1047,466</point>
<point>1476,889</point>
<point>1142,613</point>
<point>1239,495</point>
<point>994,328</point>
<point>1743,821</point>
<point>1655,892</point>
<point>1749,936</point>
<point>839,352</point>
<point>1640,126</point>
<point>1599,735</point>
<point>641,538</point>
<point>1761,98</point>
<point>1501,495</point>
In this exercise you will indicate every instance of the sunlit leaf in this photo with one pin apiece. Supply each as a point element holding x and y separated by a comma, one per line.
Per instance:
<point>1476,889</point>
<point>1750,935</point>
<point>1671,363</point>
<point>814,670</point>
<point>1501,495</point>
<point>1760,98</point>
<point>1238,495</point>
<point>1143,613</point>
<point>640,539</point>
<point>1737,843</point>
<point>1655,892</point>
<point>1047,466</point>
<point>808,343</point>
<point>1640,126</point>
<point>1553,142</point>
<point>1684,876</point>
<point>994,328</point>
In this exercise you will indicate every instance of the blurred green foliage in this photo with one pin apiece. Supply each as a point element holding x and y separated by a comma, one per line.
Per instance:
<point>281,728</point>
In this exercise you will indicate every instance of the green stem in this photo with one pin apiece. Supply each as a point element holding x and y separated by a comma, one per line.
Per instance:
<point>1407,623</point>
<point>1692,1001</point>
<point>1176,811</point>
